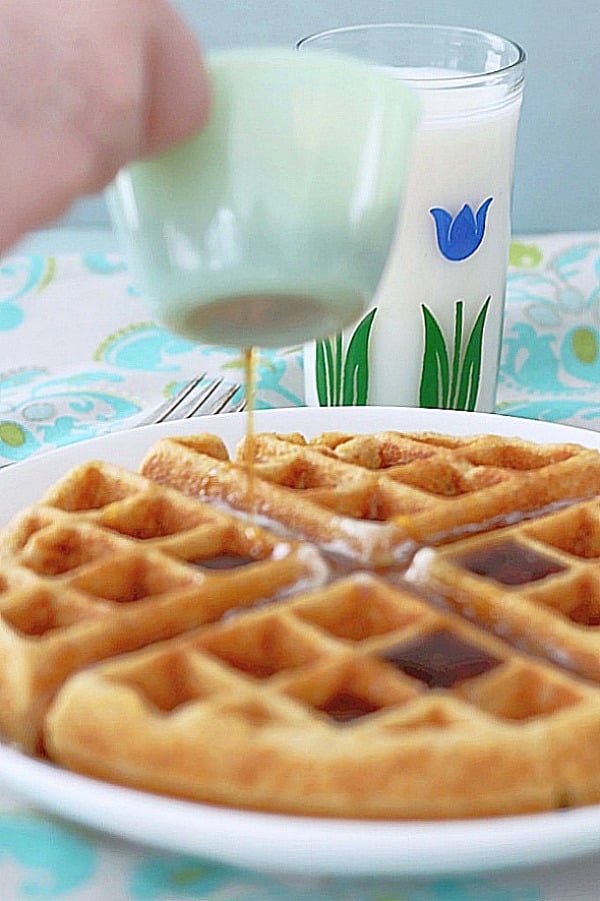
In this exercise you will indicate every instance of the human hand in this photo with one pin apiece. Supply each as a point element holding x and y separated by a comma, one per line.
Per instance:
<point>86,87</point>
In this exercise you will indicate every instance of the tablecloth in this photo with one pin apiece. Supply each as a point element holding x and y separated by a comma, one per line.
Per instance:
<point>79,357</point>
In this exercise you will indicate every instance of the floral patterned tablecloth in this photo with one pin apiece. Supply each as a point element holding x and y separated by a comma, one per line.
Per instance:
<point>78,358</point>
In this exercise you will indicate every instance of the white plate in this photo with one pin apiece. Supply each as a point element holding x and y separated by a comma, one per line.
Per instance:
<point>283,843</point>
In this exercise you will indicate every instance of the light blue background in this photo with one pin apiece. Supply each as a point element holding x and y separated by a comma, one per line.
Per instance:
<point>557,183</point>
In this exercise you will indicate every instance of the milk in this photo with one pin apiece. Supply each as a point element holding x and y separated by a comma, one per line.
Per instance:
<point>463,153</point>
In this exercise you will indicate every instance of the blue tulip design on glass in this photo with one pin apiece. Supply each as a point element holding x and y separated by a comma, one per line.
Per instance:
<point>458,238</point>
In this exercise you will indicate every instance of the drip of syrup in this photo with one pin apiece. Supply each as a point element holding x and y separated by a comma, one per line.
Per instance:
<point>250,358</point>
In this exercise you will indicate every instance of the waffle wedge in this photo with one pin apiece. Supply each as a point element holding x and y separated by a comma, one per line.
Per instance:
<point>376,497</point>
<point>359,700</point>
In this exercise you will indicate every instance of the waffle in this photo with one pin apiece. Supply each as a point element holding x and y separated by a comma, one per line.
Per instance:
<point>108,562</point>
<point>341,659</point>
<point>359,700</point>
<point>374,498</point>
<point>536,583</point>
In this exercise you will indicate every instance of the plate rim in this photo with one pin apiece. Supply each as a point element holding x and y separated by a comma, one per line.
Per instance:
<point>306,845</point>
<point>278,842</point>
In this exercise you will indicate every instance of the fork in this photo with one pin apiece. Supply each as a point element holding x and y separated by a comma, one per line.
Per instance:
<point>198,397</point>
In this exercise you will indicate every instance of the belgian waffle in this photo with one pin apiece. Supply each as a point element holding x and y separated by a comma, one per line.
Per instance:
<point>108,562</point>
<point>375,497</point>
<point>356,701</point>
<point>311,673</point>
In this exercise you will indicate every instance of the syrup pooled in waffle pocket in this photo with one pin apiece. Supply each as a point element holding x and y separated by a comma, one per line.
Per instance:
<point>284,662</point>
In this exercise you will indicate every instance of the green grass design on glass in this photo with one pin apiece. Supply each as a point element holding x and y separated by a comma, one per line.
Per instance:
<point>343,378</point>
<point>452,383</point>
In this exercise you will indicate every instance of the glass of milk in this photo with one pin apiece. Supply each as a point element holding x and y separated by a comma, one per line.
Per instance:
<point>432,335</point>
<point>273,224</point>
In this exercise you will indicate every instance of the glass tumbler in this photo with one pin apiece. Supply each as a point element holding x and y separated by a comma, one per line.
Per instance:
<point>432,335</point>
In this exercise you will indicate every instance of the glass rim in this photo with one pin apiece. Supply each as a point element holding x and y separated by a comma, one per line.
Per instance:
<point>424,80</point>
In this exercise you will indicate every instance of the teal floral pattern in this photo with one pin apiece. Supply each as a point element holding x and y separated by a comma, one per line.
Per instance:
<point>170,878</point>
<point>19,277</point>
<point>37,410</point>
<point>551,358</point>
<point>159,878</point>
<point>143,347</point>
<point>42,859</point>
<point>472,890</point>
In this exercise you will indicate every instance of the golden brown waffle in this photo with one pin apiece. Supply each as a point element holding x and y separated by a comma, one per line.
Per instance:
<point>108,562</point>
<point>359,700</point>
<point>536,583</point>
<point>375,497</point>
<point>315,679</point>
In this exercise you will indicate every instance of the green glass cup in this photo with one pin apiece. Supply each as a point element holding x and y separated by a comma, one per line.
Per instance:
<point>273,224</point>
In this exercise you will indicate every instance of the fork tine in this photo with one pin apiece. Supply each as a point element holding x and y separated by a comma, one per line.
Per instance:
<point>201,401</point>
<point>197,399</point>
<point>238,407</point>
<point>221,405</point>
<point>166,410</point>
